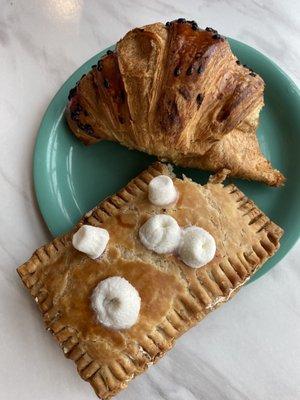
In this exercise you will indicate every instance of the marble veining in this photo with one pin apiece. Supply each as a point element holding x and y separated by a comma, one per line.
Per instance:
<point>249,349</point>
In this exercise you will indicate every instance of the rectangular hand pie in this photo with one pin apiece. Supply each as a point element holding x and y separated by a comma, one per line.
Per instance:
<point>173,295</point>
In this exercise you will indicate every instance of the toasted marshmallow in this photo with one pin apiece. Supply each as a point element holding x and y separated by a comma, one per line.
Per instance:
<point>197,247</point>
<point>161,191</point>
<point>116,303</point>
<point>161,233</point>
<point>90,240</point>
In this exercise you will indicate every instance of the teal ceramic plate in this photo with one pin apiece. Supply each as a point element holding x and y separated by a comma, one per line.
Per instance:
<point>70,178</point>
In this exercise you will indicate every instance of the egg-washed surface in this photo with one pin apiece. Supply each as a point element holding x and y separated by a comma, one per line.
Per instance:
<point>177,92</point>
<point>173,296</point>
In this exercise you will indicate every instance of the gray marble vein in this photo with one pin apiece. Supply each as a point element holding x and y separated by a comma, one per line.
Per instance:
<point>250,348</point>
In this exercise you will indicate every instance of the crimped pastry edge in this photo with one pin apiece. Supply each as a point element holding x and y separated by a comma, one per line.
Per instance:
<point>105,379</point>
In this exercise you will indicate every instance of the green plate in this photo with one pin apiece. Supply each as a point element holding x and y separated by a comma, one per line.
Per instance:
<point>70,178</point>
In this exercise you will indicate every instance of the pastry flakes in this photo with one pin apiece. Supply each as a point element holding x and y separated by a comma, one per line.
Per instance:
<point>179,93</point>
<point>174,297</point>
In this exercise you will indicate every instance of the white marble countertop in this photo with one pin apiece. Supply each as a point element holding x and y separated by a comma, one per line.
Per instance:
<point>248,349</point>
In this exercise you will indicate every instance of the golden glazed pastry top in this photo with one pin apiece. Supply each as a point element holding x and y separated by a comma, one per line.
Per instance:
<point>173,296</point>
<point>177,92</point>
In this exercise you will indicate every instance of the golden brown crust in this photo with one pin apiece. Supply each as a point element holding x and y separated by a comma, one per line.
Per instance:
<point>174,296</point>
<point>178,93</point>
<point>250,164</point>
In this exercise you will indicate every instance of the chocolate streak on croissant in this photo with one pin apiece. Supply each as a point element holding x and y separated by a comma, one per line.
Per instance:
<point>110,77</point>
<point>107,83</point>
<point>188,50</point>
<point>184,93</point>
<point>199,99</point>
<point>201,51</point>
<point>72,93</point>
<point>82,110</point>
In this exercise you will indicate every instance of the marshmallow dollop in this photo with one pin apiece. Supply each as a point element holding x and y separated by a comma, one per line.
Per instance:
<point>90,240</point>
<point>116,303</point>
<point>197,247</point>
<point>161,191</point>
<point>160,233</point>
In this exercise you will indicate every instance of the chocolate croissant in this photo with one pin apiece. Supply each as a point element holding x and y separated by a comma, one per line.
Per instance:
<point>177,92</point>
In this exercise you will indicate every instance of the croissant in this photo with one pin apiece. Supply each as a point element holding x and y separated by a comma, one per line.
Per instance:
<point>177,92</point>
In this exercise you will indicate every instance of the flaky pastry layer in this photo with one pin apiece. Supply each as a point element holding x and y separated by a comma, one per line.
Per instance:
<point>174,297</point>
